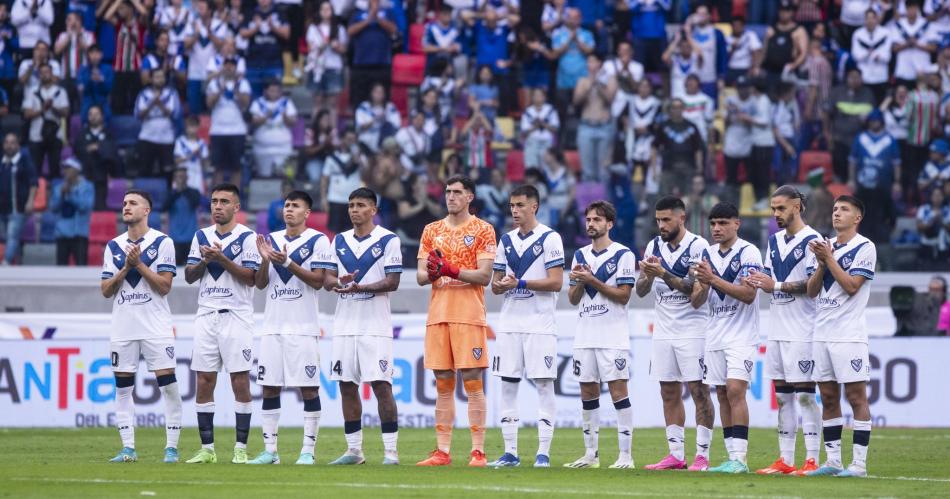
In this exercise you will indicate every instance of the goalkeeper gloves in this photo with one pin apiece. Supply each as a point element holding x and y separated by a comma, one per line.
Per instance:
<point>437,266</point>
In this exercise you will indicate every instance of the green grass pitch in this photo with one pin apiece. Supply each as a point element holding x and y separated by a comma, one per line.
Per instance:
<point>72,463</point>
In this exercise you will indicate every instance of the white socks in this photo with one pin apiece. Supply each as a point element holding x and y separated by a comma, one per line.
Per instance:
<point>311,424</point>
<point>353,432</point>
<point>675,438</point>
<point>832,433</point>
<point>624,425</point>
<point>787,423</point>
<point>509,414</point>
<point>547,411</point>
<point>811,422</point>
<point>590,424</point>
<point>125,413</point>
<point>270,415</point>
<point>862,437</point>
<point>703,441</point>
<point>169,387</point>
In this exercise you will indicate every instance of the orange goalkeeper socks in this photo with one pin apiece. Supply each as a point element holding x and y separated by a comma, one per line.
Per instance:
<point>477,409</point>
<point>444,412</point>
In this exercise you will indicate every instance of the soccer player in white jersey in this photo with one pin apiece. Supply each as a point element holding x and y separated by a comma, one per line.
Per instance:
<point>732,328</point>
<point>529,272</point>
<point>679,332</point>
<point>602,277</point>
<point>366,267</point>
<point>293,269</point>
<point>842,268</point>
<point>788,360</point>
<point>224,261</point>
<point>137,271</point>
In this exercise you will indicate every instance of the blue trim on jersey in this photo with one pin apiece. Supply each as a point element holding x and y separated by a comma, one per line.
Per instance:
<point>828,280</point>
<point>351,263</point>
<point>732,269</point>
<point>107,275</point>
<point>782,268</point>
<point>118,259</point>
<point>393,269</point>
<point>521,264</point>
<point>193,261</point>
<point>679,269</point>
<point>168,268</point>
<point>554,263</point>
<point>865,273</point>
<point>215,268</point>
<point>603,273</point>
<point>298,256</point>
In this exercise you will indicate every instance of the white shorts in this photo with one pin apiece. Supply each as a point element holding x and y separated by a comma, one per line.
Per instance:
<point>222,341</point>
<point>362,358</point>
<point>677,359</point>
<point>790,361</point>
<point>596,365</point>
<point>729,363</point>
<point>291,360</point>
<point>158,353</point>
<point>525,354</point>
<point>841,362</point>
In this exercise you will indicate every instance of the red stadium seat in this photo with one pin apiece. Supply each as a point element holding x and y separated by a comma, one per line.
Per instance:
<point>815,159</point>
<point>241,217</point>
<point>514,165</point>
<point>95,254</point>
<point>40,199</point>
<point>573,160</point>
<point>399,95</point>
<point>204,128</point>
<point>408,69</point>
<point>416,34</point>
<point>319,221</point>
<point>102,227</point>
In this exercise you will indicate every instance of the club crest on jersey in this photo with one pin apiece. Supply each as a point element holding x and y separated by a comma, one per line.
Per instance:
<point>469,240</point>
<point>304,252</point>
<point>376,251</point>
<point>383,365</point>
<point>805,366</point>
<point>247,353</point>
<point>170,351</point>
<point>734,265</point>
<point>748,366</point>
<point>152,253</point>
<point>798,253</point>
<point>846,262</point>
<point>702,365</point>
<point>620,363</point>
<point>611,267</point>
<point>537,249</point>
<point>856,364</point>
<point>311,371</point>
<point>477,353</point>
<point>684,260</point>
<point>548,361</point>
<point>235,248</point>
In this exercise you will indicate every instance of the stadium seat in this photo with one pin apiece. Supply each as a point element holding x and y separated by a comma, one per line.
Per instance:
<point>41,198</point>
<point>116,193</point>
<point>399,95</point>
<point>815,159</point>
<point>102,227</point>
<point>39,254</point>
<point>95,251</point>
<point>299,132</point>
<point>573,160</point>
<point>204,128</point>
<point>241,217</point>
<point>260,222</point>
<point>514,165</point>
<point>75,128</point>
<point>30,232</point>
<point>408,69</point>
<point>587,192</point>
<point>155,220</point>
<point>318,221</point>
<point>125,130</point>
<point>416,34</point>
<point>156,187</point>
<point>262,192</point>
<point>47,227</point>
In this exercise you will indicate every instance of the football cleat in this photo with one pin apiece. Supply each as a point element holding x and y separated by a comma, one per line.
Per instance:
<point>204,456</point>
<point>827,469</point>
<point>668,463</point>
<point>777,468</point>
<point>126,455</point>
<point>625,461</point>
<point>171,455</point>
<point>390,459</point>
<point>542,461</point>
<point>853,471</point>
<point>585,462</point>
<point>240,456</point>
<point>700,463</point>
<point>731,467</point>
<point>349,457</point>
<point>436,458</point>
<point>305,458</point>
<point>810,465</point>
<point>506,460</point>
<point>265,458</point>
<point>478,459</point>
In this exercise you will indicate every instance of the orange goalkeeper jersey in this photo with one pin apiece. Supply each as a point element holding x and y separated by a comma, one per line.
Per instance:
<point>454,300</point>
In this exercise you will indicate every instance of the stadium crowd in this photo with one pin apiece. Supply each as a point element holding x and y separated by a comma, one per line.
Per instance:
<point>622,100</point>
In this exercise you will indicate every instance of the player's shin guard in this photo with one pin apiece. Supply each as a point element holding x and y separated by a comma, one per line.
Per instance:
<point>547,411</point>
<point>444,412</point>
<point>624,425</point>
<point>477,412</point>
<point>353,432</point>
<point>811,421</point>
<point>390,431</point>
<point>206,424</point>
<point>590,424</point>
<point>740,443</point>
<point>703,441</point>
<point>862,437</point>
<point>727,440</point>
<point>832,433</point>
<point>270,415</point>
<point>787,422</point>
<point>242,423</point>
<point>676,440</point>
<point>311,424</point>
<point>169,387</point>
<point>509,414</point>
<point>125,410</point>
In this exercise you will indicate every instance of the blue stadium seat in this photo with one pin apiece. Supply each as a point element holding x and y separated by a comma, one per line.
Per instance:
<point>47,227</point>
<point>116,193</point>
<point>125,130</point>
<point>157,187</point>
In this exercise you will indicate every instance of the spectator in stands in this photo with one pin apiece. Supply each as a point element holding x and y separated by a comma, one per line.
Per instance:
<point>786,123</point>
<point>684,58</point>
<point>320,139</point>
<point>441,78</point>
<point>570,45</point>
<point>342,174</point>
<point>386,174</point>
<point>191,154</point>
<point>416,210</point>
<point>476,137</point>
<point>595,134</point>
<point>937,170</point>
<point>744,49</point>
<point>852,17</point>
<point>162,57</point>
<point>493,198</point>
<point>438,125</point>
<point>628,73</point>
<point>228,96</point>
<point>264,32</point>
<point>18,183</point>
<point>539,126</point>
<point>648,28</point>
<point>559,183</point>
<point>492,37</point>
<point>183,203</point>
<point>681,147</point>
<point>817,90</point>
<point>96,152</point>
<point>896,117</point>
<point>414,143</point>
<point>915,41</point>
<point>875,178</point>
<point>642,111</point>
<point>9,51</point>
<point>376,118</point>
<point>737,146</point>
<point>71,46</point>
<point>786,45</point>
<point>272,116</point>
<point>483,95</point>
<point>712,45</point>
<point>923,105</point>
<point>72,202</point>
<point>871,50</point>
<point>95,83</point>
<point>943,322</point>
<point>228,51</point>
<point>820,202</point>
<point>699,202</point>
<point>129,48</point>
<point>326,43</point>
<point>843,116</point>
<point>552,17</point>
<point>203,37</point>
<point>925,314</point>
<point>29,70</point>
<point>174,19</point>
<point>442,41</point>
<point>699,107</point>
<point>32,19</point>
<point>759,169</point>
<point>931,225</point>
<point>157,107</point>
<point>275,211</point>
<point>44,107</point>
<point>371,33</point>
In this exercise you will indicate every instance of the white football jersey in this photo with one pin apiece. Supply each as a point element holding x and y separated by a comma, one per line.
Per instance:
<point>292,306</point>
<point>218,289</point>
<point>791,317</point>
<point>731,322</point>
<point>529,257</point>
<point>675,316</point>
<point>138,311</point>
<point>373,256</point>
<point>840,316</point>
<point>602,323</point>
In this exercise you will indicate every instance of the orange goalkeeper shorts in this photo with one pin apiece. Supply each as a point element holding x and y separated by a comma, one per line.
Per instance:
<point>452,345</point>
